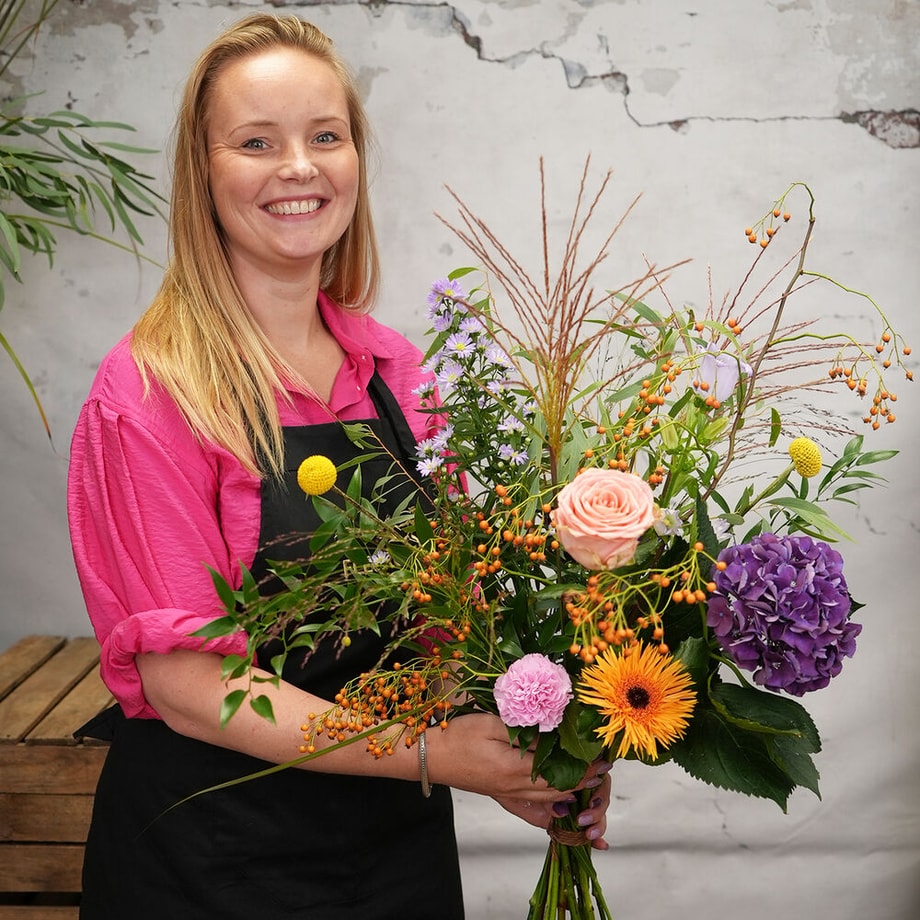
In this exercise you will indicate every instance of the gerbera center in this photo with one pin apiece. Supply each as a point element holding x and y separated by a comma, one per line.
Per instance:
<point>637,697</point>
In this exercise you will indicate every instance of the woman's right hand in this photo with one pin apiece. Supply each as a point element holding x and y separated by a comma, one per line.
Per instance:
<point>474,754</point>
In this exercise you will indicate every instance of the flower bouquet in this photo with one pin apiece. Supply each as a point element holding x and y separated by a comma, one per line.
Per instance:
<point>621,544</point>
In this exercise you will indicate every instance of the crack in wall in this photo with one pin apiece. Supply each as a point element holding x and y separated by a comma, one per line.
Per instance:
<point>898,129</point>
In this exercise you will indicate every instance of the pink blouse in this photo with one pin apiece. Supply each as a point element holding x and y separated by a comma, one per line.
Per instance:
<point>151,507</point>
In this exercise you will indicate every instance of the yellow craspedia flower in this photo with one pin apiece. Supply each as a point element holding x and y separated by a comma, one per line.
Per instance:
<point>806,455</point>
<point>316,475</point>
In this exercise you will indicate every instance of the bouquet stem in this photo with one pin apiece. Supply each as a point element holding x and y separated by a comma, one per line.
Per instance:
<point>568,885</point>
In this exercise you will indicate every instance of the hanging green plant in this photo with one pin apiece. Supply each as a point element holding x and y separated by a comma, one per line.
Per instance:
<point>60,172</point>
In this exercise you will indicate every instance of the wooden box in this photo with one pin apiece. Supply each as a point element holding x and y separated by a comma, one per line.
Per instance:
<point>49,686</point>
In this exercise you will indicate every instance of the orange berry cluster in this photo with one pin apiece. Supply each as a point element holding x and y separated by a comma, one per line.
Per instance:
<point>433,573</point>
<point>401,695</point>
<point>881,408</point>
<point>599,621</point>
<point>768,230</point>
<point>521,535</point>
<point>639,421</point>
<point>703,387</point>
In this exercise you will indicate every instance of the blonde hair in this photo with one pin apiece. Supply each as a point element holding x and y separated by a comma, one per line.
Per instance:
<point>197,338</point>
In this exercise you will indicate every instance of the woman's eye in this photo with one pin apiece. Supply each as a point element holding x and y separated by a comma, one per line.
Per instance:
<point>254,143</point>
<point>327,137</point>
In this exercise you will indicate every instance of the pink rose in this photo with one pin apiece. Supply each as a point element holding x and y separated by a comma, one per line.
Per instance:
<point>601,515</point>
<point>533,691</point>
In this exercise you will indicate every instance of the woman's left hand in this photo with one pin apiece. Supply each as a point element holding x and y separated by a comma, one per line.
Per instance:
<point>593,819</point>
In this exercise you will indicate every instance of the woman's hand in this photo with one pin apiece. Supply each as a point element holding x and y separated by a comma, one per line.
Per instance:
<point>474,754</point>
<point>593,819</point>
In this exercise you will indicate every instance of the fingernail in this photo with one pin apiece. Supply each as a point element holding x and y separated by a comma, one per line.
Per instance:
<point>593,833</point>
<point>561,809</point>
<point>594,781</point>
<point>595,802</point>
<point>605,767</point>
<point>584,819</point>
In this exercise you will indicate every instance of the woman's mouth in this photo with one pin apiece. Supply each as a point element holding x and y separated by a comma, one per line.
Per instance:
<point>303,206</point>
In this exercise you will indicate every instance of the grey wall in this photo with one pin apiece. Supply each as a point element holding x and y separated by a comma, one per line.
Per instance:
<point>709,109</point>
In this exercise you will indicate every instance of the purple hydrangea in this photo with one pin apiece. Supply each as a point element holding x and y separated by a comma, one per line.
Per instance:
<point>781,609</point>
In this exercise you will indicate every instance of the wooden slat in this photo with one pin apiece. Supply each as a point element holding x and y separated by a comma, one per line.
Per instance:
<point>24,867</point>
<point>44,818</point>
<point>38,913</point>
<point>32,699</point>
<point>50,769</point>
<point>26,656</point>
<point>86,700</point>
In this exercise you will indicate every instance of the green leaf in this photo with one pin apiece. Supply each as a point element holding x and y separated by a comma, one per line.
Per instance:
<point>577,732</point>
<point>776,426</point>
<point>9,236</point>
<point>230,704</point>
<point>222,626</point>
<point>875,456</point>
<point>233,666</point>
<point>790,755</point>
<point>812,515</point>
<point>704,530</point>
<point>423,528</point>
<point>763,711</point>
<point>724,755</point>
<point>693,654</point>
<point>262,706</point>
<point>561,770</point>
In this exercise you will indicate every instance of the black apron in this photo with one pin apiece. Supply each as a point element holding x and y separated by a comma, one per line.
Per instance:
<point>296,844</point>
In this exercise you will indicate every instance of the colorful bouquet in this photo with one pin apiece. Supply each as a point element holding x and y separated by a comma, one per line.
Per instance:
<point>610,548</point>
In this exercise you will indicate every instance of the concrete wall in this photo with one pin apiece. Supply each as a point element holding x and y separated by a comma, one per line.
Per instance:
<point>707,108</point>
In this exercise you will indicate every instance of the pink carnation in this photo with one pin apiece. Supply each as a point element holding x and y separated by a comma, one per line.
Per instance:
<point>601,515</point>
<point>533,691</point>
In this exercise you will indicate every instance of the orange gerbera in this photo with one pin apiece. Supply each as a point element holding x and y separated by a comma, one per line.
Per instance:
<point>647,696</point>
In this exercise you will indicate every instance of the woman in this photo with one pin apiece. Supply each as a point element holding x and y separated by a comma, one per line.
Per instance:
<point>256,345</point>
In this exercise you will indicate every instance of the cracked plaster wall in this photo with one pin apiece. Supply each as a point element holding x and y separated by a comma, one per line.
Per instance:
<point>707,108</point>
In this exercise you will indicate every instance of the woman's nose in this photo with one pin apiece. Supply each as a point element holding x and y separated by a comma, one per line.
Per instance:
<point>298,163</point>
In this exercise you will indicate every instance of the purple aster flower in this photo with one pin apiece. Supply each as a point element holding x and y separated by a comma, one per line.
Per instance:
<point>781,609</point>
<point>473,325</point>
<point>445,288</point>
<point>429,466</point>
<point>449,374</point>
<point>460,344</point>
<point>497,355</point>
<point>510,423</point>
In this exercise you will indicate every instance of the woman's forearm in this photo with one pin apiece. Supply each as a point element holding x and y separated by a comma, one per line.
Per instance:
<point>186,689</point>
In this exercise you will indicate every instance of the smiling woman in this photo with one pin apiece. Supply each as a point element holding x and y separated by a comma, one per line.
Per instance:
<point>283,168</point>
<point>256,350</point>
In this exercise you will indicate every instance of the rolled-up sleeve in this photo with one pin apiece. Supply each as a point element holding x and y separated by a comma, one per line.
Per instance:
<point>145,519</point>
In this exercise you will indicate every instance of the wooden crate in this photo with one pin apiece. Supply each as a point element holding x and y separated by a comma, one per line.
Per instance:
<point>49,686</point>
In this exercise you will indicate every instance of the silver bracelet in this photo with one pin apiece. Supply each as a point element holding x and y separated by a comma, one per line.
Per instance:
<point>423,766</point>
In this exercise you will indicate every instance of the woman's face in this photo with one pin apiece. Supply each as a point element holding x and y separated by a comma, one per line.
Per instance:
<point>283,168</point>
